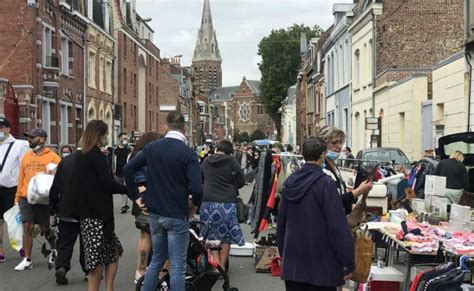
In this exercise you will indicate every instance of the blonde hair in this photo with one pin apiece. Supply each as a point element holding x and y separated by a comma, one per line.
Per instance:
<point>330,133</point>
<point>457,155</point>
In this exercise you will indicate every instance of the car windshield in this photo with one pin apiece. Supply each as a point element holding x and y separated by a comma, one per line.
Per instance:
<point>387,156</point>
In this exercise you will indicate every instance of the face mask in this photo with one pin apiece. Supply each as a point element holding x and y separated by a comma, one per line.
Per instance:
<point>332,155</point>
<point>35,147</point>
<point>2,136</point>
<point>105,140</point>
<point>65,154</point>
<point>125,142</point>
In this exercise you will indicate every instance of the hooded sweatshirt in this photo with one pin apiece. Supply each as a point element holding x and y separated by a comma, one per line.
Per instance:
<point>32,164</point>
<point>222,178</point>
<point>313,236</point>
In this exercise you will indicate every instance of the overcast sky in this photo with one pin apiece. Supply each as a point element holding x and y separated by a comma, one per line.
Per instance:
<point>239,24</point>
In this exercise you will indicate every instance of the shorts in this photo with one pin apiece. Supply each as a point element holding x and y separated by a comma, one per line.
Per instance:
<point>35,213</point>
<point>98,251</point>
<point>7,199</point>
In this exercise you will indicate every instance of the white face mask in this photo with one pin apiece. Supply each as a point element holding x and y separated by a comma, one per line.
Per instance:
<point>65,154</point>
<point>3,136</point>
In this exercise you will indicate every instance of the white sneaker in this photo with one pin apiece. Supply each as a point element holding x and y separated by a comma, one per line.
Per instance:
<point>24,265</point>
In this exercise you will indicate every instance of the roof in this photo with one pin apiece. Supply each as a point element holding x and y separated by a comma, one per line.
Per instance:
<point>222,93</point>
<point>254,86</point>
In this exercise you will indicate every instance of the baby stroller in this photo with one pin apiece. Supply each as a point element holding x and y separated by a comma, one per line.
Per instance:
<point>202,269</point>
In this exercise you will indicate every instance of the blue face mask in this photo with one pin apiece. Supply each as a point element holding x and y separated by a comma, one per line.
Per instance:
<point>332,155</point>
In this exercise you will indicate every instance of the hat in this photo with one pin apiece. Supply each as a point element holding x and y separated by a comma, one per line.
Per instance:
<point>4,122</point>
<point>36,132</point>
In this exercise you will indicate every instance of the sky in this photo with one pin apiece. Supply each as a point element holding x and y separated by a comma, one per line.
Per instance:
<point>239,25</point>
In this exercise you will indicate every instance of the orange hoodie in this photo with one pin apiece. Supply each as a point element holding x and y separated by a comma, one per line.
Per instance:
<point>32,164</point>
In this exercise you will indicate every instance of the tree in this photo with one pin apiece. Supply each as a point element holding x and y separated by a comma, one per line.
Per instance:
<point>280,52</point>
<point>257,134</point>
<point>241,137</point>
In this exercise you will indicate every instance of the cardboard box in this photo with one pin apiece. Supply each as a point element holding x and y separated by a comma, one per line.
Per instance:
<point>435,185</point>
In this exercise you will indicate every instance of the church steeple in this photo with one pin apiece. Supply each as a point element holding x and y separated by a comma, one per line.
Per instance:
<point>207,48</point>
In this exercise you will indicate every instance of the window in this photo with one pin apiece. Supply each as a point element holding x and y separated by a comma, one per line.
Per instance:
<point>135,53</point>
<point>47,47</point>
<point>124,80</point>
<point>46,117</point>
<point>92,69</point>
<point>70,58</point>
<point>101,73</point>
<point>64,125</point>
<point>357,67</point>
<point>157,100</point>
<point>260,109</point>
<point>135,89</point>
<point>135,117</point>
<point>124,114</point>
<point>149,92</point>
<point>157,69</point>
<point>65,56</point>
<point>124,46</point>
<point>108,77</point>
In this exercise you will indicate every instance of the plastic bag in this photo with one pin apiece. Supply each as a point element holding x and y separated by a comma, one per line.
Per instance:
<point>38,189</point>
<point>15,227</point>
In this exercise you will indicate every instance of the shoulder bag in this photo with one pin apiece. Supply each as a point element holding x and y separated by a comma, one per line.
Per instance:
<point>242,209</point>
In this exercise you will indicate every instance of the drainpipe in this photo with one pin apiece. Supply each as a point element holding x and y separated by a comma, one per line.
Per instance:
<point>468,57</point>
<point>374,67</point>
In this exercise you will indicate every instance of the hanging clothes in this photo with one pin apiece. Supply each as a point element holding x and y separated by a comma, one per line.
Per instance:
<point>270,205</point>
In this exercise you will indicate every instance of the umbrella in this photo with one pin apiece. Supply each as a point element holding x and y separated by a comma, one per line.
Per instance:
<point>262,142</point>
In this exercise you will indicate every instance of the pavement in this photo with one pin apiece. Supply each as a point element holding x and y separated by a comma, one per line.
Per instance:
<point>242,271</point>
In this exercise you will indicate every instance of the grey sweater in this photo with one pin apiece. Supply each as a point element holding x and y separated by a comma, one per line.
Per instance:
<point>222,175</point>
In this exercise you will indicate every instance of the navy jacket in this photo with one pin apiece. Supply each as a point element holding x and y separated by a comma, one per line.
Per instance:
<point>313,236</point>
<point>172,175</point>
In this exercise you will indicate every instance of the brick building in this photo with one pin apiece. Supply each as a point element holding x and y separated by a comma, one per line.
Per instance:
<point>138,71</point>
<point>42,47</point>
<point>238,109</point>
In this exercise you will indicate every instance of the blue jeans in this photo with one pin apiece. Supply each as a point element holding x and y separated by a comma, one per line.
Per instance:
<point>169,237</point>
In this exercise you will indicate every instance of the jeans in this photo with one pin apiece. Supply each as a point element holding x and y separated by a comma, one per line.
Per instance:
<point>169,237</point>
<point>68,233</point>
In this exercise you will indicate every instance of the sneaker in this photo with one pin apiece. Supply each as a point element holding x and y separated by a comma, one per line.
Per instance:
<point>2,258</point>
<point>124,209</point>
<point>24,265</point>
<point>61,276</point>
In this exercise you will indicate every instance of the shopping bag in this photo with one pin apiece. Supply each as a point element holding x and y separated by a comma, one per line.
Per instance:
<point>364,247</point>
<point>38,189</point>
<point>242,211</point>
<point>15,227</point>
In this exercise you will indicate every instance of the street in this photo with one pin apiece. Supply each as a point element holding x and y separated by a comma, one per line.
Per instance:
<point>242,274</point>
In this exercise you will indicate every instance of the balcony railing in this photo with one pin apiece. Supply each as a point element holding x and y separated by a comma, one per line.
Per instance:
<point>52,62</point>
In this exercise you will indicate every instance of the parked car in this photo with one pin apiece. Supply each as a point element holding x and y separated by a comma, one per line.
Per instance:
<point>385,155</point>
<point>463,142</point>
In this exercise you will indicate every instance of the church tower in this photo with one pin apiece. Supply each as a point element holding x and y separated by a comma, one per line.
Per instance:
<point>206,63</point>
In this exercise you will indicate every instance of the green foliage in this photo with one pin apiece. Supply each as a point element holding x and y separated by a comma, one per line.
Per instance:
<point>257,134</point>
<point>241,137</point>
<point>280,52</point>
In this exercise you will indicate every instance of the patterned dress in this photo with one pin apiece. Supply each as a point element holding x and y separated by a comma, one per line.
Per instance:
<point>222,222</point>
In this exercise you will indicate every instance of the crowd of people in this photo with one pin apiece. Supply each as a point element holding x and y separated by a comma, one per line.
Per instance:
<point>168,182</point>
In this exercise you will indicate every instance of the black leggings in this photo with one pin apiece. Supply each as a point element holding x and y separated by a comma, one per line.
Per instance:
<point>299,286</point>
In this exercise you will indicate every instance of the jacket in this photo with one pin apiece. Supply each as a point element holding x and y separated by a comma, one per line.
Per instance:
<point>222,179</point>
<point>455,173</point>
<point>63,195</point>
<point>32,164</point>
<point>172,175</point>
<point>313,236</point>
<point>95,185</point>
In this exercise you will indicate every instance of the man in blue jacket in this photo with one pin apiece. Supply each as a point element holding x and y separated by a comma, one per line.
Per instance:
<point>173,176</point>
<point>313,236</point>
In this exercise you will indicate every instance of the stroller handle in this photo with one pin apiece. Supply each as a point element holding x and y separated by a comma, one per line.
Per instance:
<point>202,226</point>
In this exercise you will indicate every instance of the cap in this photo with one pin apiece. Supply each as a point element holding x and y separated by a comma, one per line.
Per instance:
<point>36,132</point>
<point>4,122</point>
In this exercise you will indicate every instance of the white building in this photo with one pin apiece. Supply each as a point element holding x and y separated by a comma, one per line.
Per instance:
<point>288,118</point>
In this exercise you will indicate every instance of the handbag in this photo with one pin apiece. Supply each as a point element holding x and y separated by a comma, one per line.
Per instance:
<point>242,209</point>
<point>364,247</point>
